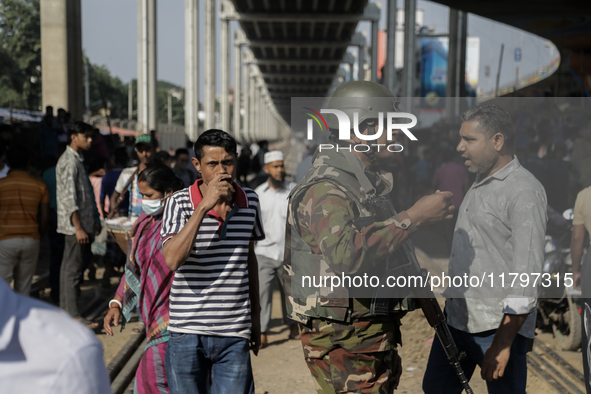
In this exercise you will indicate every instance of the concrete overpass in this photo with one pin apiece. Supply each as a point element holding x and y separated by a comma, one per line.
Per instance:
<point>286,49</point>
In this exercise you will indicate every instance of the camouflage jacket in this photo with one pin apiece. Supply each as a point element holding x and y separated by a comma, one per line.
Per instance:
<point>340,221</point>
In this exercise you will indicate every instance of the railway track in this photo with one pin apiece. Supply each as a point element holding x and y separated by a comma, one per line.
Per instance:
<point>123,366</point>
<point>555,370</point>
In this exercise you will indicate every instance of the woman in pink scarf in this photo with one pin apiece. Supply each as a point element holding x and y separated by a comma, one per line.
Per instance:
<point>147,280</point>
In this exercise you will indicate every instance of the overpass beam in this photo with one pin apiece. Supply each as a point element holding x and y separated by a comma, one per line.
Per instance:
<point>61,58</point>
<point>191,69</point>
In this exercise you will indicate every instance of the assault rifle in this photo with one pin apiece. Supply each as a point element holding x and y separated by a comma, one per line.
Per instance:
<point>434,315</point>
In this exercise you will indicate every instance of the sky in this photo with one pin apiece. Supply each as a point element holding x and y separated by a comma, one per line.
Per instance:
<point>109,37</point>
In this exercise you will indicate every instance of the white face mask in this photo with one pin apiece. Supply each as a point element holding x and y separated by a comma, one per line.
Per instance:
<point>153,207</point>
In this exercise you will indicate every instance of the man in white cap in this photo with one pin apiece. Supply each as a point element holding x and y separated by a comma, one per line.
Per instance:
<point>273,202</point>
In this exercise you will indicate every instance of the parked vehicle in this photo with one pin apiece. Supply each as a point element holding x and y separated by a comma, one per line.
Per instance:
<point>559,305</point>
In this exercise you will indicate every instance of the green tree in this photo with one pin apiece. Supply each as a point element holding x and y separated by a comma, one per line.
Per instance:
<point>20,54</point>
<point>106,92</point>
<point>178,106</point>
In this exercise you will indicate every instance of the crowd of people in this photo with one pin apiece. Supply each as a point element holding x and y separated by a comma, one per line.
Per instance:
<point>63,180</point>
<point>209,244</point>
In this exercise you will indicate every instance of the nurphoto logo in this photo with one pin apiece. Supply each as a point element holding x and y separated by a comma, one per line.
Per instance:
<point>392,119</point>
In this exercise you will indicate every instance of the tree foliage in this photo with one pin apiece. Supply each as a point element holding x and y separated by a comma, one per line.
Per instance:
<point>106,92</point>
<point>20,54</point>
<point>20,70</point>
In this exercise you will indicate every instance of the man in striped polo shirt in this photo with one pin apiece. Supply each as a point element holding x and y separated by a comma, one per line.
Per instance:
<point>208,235</point>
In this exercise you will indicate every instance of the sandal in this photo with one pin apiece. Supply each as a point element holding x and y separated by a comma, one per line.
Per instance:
<point>90,324</point>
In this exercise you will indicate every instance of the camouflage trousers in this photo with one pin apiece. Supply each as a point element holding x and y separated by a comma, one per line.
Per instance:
<point>356,358</point>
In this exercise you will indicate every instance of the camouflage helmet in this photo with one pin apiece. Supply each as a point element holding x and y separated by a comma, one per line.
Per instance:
<point>365,98</point>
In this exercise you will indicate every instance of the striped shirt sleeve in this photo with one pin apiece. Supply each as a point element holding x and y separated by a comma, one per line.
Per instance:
<point>173,219</point>
<point>258,233</point>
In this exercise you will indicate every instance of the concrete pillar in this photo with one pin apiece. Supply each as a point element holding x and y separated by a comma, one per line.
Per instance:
<point>225,67</point>
<point>390,66</point>
<point>147,72</point>
<point>61,56</point>
<point>410,7</point>
<point>191,69</point>
<point>252,106</point>
<point>256,129</point>
<point>237,86</point>
<point>152,69</point>
<point>247,101</point>
<point>210,70</point>
<point>456,61</point>
<point>141,63</point>
<point>266,121</point>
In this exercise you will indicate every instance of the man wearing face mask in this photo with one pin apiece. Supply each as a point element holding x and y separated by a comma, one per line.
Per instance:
<point>500,231</point>
<point>127,184</point>
<point>341,222</point>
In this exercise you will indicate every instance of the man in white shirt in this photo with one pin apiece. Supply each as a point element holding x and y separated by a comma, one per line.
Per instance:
<point>43,350</point>
<point>273,197</point>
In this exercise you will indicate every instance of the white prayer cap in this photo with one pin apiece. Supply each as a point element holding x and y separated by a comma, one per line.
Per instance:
<point>272,156</point>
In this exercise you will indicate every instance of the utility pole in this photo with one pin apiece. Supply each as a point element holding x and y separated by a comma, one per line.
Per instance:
<point>499,71</point>
<point>169,107</point>
<point>410,9</point>
<point>130,101</point>
<point>86,90</point>
<point>390,67</point>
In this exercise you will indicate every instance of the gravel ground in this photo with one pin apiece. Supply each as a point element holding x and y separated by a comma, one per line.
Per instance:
<point>280,368</point>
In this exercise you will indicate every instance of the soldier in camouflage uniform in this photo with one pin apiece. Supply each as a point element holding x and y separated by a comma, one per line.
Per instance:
<point>340,221</point>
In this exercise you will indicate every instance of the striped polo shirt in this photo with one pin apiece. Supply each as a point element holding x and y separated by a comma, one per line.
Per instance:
<point>210,292</point>
<point>20,197</point>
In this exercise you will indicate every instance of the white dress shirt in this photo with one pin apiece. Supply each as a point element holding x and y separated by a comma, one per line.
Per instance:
<point>43,350</point>
<point>273,205</point>
<point>500,231</point>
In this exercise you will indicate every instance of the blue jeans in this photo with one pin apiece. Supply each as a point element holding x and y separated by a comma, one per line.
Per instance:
<point>192,359</point>
<point>440,378</point>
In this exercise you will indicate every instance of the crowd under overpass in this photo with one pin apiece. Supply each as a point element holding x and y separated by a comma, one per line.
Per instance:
<point>284,49</point>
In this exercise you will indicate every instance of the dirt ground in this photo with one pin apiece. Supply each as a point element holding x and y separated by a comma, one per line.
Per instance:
<point>280,368</point>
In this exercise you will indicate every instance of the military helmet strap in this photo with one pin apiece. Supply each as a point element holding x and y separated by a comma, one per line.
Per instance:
<point>359,171</point>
